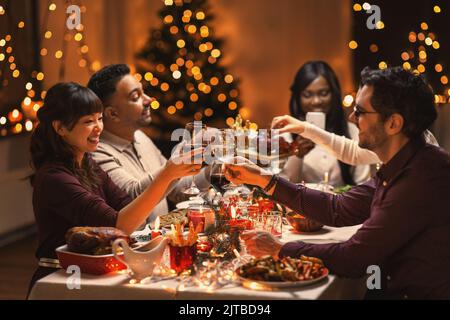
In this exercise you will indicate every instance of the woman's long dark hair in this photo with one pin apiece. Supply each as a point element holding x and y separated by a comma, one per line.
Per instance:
<point>66,102</point>
<point>336,121</point>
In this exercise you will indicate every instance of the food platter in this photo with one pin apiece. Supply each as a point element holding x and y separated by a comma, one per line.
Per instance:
<point>270,285</point>
<point>270,274</point>
<point>173,217</point>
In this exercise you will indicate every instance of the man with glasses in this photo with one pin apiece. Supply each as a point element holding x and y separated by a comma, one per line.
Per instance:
<point>404,210</point>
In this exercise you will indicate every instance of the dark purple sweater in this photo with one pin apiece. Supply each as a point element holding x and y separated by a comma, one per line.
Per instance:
<point>60,202</point>
<point>405,217</point>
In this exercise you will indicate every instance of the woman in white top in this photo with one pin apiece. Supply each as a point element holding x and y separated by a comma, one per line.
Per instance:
<point>316,88</point>
<point>344,149</point>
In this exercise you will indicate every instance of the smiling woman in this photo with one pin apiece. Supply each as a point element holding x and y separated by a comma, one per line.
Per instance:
<point>69,189</point>
<point>69,126</point>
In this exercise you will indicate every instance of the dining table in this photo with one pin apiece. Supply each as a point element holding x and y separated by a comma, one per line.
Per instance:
<point>119,286</point>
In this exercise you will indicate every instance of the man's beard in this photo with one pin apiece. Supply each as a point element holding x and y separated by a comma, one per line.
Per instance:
<point>144,121</point>
<point>145,118</point>
<point>373,138</point>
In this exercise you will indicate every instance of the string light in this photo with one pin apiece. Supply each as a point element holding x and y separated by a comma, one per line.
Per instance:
<point>209,112</point>
<point>379,25</point>
<point>200,15</point>
<point>171,110</point>
<point>181,43</point>
<point>168,19</point>
<point>215,53</point>
<point>31,106</point>
<point>348,100</point>
<point>382,65</point>
<point>58,54</point>
<point>176,74</point>
<point>228,78</point>
<point>353,44</point>
<point>154,105</point>
<point>29,125</point>
<point>424,39</point>
<point>179,105</point>
<point>204,32</point>
<point>232,105</point>
<point>357,7</point>
<point>78,37</point>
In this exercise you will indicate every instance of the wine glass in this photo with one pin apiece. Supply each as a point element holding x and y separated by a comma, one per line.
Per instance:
<point>218,180</point>
<point>193,139</point>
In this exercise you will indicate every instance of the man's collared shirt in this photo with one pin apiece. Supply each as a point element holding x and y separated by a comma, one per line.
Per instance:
<point>134,165</point>
<point>405,212</point>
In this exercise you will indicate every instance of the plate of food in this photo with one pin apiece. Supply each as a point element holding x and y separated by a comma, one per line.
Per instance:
<point>267,273</point>
<point>90,248</point>
<point>173,217</point>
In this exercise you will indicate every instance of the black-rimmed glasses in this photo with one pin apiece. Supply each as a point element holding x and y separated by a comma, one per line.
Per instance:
<point>359,112</point>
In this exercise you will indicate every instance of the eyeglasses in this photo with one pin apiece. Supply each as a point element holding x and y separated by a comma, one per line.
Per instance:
<point>359,112</point>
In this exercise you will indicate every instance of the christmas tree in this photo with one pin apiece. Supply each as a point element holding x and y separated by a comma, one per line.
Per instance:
<point>181,69</point>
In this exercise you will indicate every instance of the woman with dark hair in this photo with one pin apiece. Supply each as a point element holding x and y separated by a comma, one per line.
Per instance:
<point>317,89</point>
<point>69,188</point>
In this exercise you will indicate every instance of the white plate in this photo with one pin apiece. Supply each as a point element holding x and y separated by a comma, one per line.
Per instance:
<point>272,285</point>
<point>186,204</point>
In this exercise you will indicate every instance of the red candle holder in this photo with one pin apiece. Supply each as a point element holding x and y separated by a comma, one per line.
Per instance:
<point>182,258</point>
<point>265,205</point>
<point>253,211</point>
<point>197,217</point>
<point>241,224</point>
<point>204,246</point>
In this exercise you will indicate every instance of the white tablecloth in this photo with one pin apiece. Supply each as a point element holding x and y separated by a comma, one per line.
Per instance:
<point>117,285</point>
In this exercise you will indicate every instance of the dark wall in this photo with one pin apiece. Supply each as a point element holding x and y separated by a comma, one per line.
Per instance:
<point>400,18</point>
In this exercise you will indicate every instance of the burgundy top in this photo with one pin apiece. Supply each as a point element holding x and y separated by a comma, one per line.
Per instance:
<point>60,202</point>
<point>405,212</point>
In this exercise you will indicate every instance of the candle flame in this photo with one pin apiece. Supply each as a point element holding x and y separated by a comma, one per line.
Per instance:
<point>157,224</point>
<point>233,212</point>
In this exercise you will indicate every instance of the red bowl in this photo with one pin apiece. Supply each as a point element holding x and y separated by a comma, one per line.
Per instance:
<point>90,264</point>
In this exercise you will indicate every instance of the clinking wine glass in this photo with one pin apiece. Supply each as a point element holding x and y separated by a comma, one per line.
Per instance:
<point>224,152</point>
<point>193,139</point>
<point>218,180</point>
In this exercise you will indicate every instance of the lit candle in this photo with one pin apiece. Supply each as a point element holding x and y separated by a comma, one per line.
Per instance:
<point>233,212</point>
<point>156,232</point>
